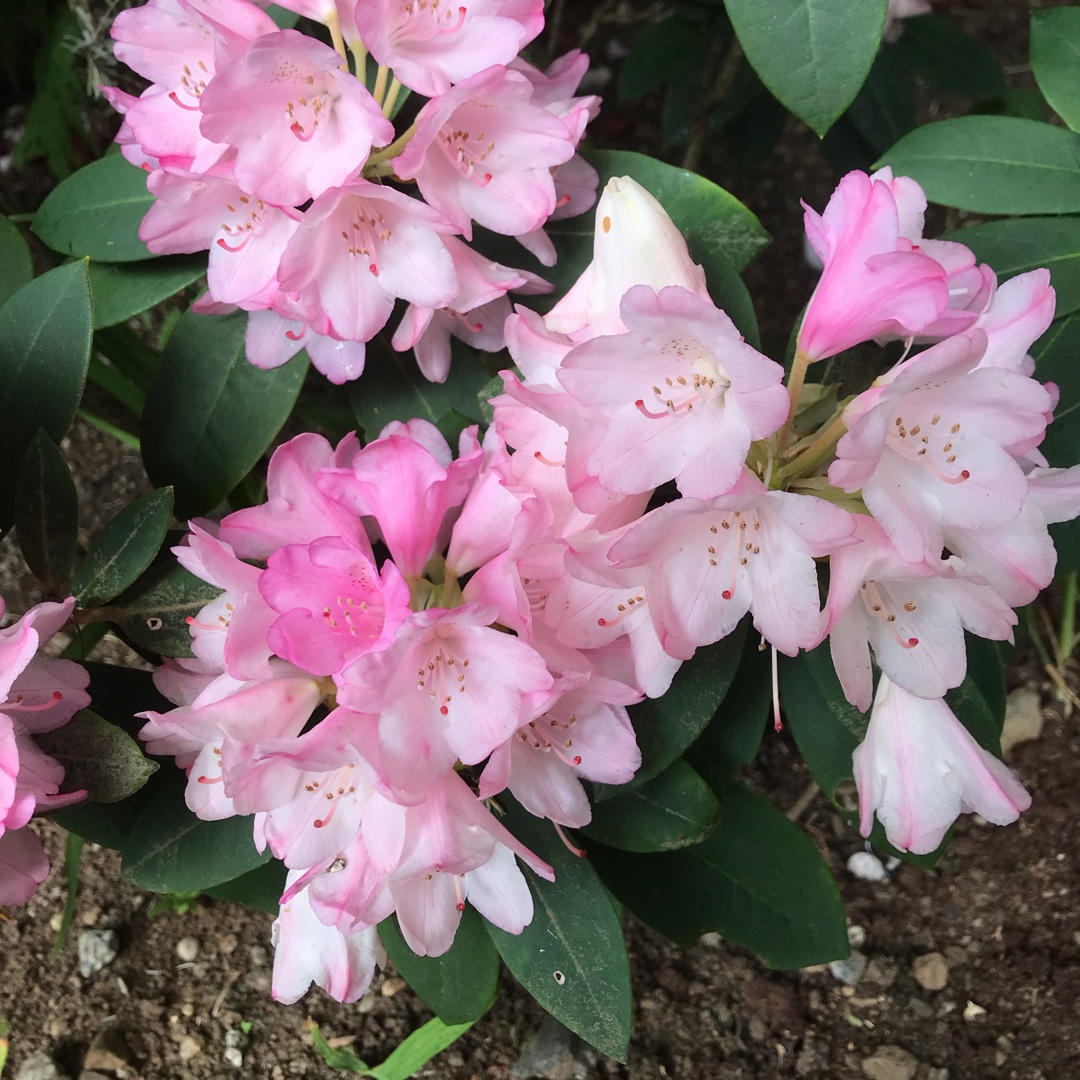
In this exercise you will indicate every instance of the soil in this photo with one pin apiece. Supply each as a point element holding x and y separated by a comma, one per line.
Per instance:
<point>1000,908</point>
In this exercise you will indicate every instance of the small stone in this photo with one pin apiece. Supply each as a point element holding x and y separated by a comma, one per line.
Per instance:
<point>91,916</point>
<point>258,956</point>
<point>547,1053</point>
<point>973,1012</point>
<point>881,972</point>
<point>757,1029</point>
<point>851,970</point>
<point>91,1075</point>
<point>187,948</point>
<point>890,1063</point>
<point>931,971</point>
<point>711,940</point>
<point>366,1003</point>
<point>236,1037</point>
<point>39,1067</point>
<point>226,944</point>
<point>866,866</point>
<point>856,936</point>
<point>97,949</point>
<point>108,1052</point>
<point>150,1010</point>
<point>190,1047</point>
<point>392,986</point>
<point>188,1008</point>
<point>258,981</point>
<point>233,1057</point>
<point>56,922</point>
<point>1023,718</point>
<point>936,1074</point>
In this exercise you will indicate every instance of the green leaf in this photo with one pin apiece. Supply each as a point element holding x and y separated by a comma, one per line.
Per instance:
<point>825,726</point>
<point>73,852</point>
<point>1014,246</point>
<point>672,811</point>
<point>99,757</point>
<point>1055,356</point>
<point>123,549</point>
<point>662,51</point>
<point>884,109</point>
<point>97,212</point>
<point>47,513</point>
<point>993,165</point>
<point>16,265</point>
<point>409,1057</point>
<point>45,331</point>
<point>459,986</point>
<point>122,291</point>
<point>210,415</point>
<point>813,54</point>
<point>1055,60</point>
<point>979,701</point>
<point>572,956</point>
<point>757,880</point>
<point>154,611</point>
<point>667,725</point>
<point>949,59</point>
<point>169,849</point>
<point>259,888</point>
<point>285,19</point>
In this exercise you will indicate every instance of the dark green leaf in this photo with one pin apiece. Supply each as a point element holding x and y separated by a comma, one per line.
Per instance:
<point>950,59</point>
<point>1014,246</point>
<point>169,849</point>
<point>1055,60</point>
<point>285,19</point>
<point>979,701</point>
<point>47,513</point>
<point>825,726</point>
<point>757,880</point>
<point>993,165</point>
<point>663,50</point>
<point>73,852</point>
<point>118,693</point>
<point>16,266</point>
<point>45,331</point>
<point>99,757</point>
<point>154,611</point>
<point>1056,355</point>
<point>814,54</point>
<point>884,109</point>
<point>123,549</point>
<point>97,212</point>
<point>418,1048</point>
<point>572,956</point>
<point>121,291</point>
<point>672,811</point>
<point>459,986</point>
<point>210,414</point>
<point>667,725</point>
<point>337,1057</point>
<point>259,888</point>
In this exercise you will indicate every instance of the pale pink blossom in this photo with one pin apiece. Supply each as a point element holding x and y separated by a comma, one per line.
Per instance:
<point>918,768</point>
<point>273,339</point>
<point>1019,313</point>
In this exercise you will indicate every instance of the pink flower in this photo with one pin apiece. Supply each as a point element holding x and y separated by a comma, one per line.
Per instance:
<point>359,248</point>
<point>484,151</point>
<point>918,769</point>
<point>874,281</point>
<point>931,448</point>
<point>914,614</point>
<point>682,394</point>
<point>273,339</point>
<point>300,125</point>
<point>1018,315</point>
<point>430,46</point>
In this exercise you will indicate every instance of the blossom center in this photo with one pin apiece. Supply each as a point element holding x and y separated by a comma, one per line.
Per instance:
<point>883,607</point>
<point>365,234</point>
<point>467,153</point>
<point>552,736</point>
<point>192,85</point>
<point>744,534</point>
<point>241,223</point>
<point>693,377</point>
<point>421,19</point>
<point>934,444</point>
<point>443,673</point>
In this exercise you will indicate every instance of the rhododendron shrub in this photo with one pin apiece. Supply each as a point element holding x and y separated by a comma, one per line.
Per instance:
<point>483,640</point>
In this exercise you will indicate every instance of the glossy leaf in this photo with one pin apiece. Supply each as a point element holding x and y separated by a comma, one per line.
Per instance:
<point>98,757</point>
<point>47,513</point>
<point>411,1055</point>
<point>459,986</point>
<point>672,811</point>
<point>884,109</point>
<point>757,880</point>
<point>154,611</point>
<point>123,549</point>
<point>122,291</point>
<point>97,212</point>
<point>658,55</point>
<point>259,888</point>
<point>210,415</point>
<point>1055,356</point>
<point>572,956</point>
<point>16,265</point>
<point>45,331</point>
<point>993,165</point>
<point>825,726</point>
<point>979,701</point>
<point>1055,60</point>
<point>170,850</point>
<point>814,54</point>
<point>949,59</point>
<point>1015,245</point>
<point>667,725</point>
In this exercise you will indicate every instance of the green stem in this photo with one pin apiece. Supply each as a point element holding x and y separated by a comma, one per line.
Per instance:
<point>119,386</point>
<point>394,148</point>
<point>380,84</point>
<point>817,452</point>
<point>117,433</point>
<point>391,97</point>
<point>334,26</point>
<point>795,385</point>
<point>1067,633</point>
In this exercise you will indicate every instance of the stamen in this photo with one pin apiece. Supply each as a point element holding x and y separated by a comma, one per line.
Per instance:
<point>457,26</point>
<point>176,101</point>
<point>460,905</point>
<point>547,461</point>
<point>640,406</point>
<point>211,779</point>
<point>233,247</point>
<point>298,131</point>
<point>579,852</point>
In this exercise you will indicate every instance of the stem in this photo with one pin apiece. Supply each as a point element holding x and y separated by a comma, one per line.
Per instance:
<point>391,97</point>
<point>1067,630</point>
<point>380,83</point>
<point>360,55</point>
<point>117,433</point>
<point>810,458</point>
<point>334,26</point>
<point>795,385</point>
<point>394,148</point>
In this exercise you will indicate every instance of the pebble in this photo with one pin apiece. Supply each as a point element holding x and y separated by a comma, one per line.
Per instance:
<point>108,1052</point>
<point>366,1003</point>
<point>547,1053</point>
<point>851,970</point>
<point>881,972</point>
<point>856,936</point>
<point>187,948</point>
<point>38,1067</point>
<point>890,1063</point>
<point>866,866</point>
<point>233,1057</point>
<point>56,922</point>
<point>931,971</point>
<point>226,944</point>
<point>258,956</point>
<point>973,1012</point>
<point>91,1075</point>
<point>190,1047</point>
<point>1023,719</point>
<point>97,949</point>
<point>392,986</point>
<point>936,1074</point>
<point>236,1038</point>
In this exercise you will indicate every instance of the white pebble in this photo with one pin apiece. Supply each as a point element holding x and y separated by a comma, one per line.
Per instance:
<point>234,1057</point>
<point>187,948</point>
<point>866,866</point>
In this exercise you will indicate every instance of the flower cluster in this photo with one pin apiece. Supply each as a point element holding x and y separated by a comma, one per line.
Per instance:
<point>263,147</point>
<point>39,693</point>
